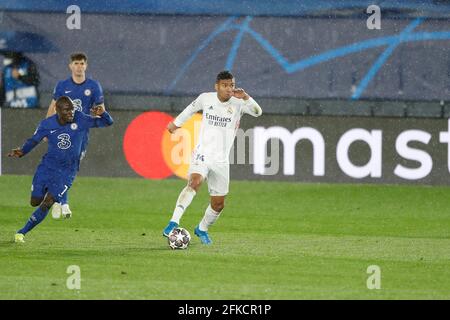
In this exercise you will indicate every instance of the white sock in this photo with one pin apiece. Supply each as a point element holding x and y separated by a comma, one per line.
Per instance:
<point>208,219</point>
<point>184,200</point>
<point>56,210</point>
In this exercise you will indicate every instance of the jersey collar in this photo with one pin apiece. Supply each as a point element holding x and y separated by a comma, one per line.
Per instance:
<point>78,84</point>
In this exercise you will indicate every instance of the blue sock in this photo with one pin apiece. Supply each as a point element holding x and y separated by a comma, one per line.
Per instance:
<point>64,198</point>
<point>34,220</point>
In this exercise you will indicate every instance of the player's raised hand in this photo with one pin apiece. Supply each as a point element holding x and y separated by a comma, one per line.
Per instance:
<point>16,153</point>
<point>240,94</point>
<point>98,110</point>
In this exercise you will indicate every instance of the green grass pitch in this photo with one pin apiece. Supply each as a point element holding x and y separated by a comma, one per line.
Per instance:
<point>273,241</point>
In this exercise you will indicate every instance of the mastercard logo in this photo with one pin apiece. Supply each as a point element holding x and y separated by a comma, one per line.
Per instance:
<point>152,152</point>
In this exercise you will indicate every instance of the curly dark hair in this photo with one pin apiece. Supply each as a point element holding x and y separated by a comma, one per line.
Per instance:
<point>224,75</point>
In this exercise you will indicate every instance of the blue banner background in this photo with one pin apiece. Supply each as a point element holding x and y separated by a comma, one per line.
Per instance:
<point>290,57</point>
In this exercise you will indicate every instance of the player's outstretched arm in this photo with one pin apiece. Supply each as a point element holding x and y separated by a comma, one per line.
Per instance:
<point>39,134</point>
<point>188,112</point>
<point>27,146</point>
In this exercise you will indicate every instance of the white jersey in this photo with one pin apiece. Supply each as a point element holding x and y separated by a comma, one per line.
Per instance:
<point>220,122</point>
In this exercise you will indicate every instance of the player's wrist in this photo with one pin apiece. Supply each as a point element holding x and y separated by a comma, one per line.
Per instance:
<point>176,124</point>
<point>20,152</point>
<point>248,99</point>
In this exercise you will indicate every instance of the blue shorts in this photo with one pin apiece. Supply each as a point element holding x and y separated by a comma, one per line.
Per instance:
<point>55,182</point>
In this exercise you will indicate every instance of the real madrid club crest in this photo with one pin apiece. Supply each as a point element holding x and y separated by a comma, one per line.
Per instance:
<point>230,110</point>
<point>74,126</point>
<point>87,92</point>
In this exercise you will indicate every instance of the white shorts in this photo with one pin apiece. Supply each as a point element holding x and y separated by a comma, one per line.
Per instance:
<point>217,175</point>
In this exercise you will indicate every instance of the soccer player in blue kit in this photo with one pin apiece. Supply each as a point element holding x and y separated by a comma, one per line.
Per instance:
<point>65,133</point>
<point>85,93</point>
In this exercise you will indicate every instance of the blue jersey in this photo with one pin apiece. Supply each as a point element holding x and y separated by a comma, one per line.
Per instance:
<point>84,96</point>
<point>64,141</point>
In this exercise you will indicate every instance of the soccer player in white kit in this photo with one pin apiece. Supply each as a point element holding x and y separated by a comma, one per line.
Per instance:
<point>222,111</point>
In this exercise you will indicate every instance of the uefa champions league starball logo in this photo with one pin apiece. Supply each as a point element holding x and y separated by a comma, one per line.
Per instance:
<point>74,126</point>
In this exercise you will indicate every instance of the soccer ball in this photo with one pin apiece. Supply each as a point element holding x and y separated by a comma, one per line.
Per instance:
<point>179,238</point>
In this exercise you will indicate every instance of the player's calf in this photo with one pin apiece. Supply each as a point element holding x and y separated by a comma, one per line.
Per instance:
<point>195,181</point>
<point>208,220</point>
<point>38,215</point>
<point>47,203</point>
<point>217,203</point>
<point>217,206</point>
<point>184,200</point>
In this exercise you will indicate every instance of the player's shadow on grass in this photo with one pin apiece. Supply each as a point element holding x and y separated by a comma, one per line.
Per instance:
<point>94,252</point>
<point>9,243</point>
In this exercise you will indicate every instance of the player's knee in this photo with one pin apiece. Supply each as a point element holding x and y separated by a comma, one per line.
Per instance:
<point>218,206</point>
<point>34,202</point>
<point>195,183</point>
